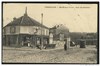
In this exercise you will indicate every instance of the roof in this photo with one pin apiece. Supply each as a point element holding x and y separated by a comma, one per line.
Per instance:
<point>60,26</point>
<point>59,29</point>
<point>25,20</point>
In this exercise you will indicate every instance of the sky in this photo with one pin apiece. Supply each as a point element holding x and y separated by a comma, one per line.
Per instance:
<point>76,17</point>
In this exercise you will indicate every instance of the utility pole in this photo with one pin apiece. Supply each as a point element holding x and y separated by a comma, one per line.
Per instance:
<point>41,31</point>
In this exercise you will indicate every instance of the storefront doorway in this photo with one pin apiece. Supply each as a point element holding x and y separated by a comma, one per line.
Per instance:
<point>26,41</point>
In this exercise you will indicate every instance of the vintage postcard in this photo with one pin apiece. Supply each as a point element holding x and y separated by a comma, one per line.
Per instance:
<point>44,32</point>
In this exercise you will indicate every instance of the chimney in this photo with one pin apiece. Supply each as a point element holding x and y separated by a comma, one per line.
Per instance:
<point>25,11</point>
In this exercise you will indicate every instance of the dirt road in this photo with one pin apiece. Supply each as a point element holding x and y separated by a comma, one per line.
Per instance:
<point>28,55</point>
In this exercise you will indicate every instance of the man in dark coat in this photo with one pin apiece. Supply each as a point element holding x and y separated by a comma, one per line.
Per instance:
<point>65,45</point>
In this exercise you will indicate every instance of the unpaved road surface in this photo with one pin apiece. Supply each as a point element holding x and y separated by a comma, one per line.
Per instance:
<point>29,55</point>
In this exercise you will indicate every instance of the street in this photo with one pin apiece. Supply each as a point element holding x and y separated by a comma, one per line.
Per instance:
<point>29,55</point>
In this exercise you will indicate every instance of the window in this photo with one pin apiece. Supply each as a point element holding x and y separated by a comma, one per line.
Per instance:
<point>12,29</point>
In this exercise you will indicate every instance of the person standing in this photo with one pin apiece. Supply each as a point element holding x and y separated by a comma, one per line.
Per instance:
<point>65,45</point>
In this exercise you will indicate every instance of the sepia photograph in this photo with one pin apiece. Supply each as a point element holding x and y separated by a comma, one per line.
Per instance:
<point>50,32</point>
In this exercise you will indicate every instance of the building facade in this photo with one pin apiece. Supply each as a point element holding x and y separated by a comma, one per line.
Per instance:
<point>25,31</point>
<point>59,34</point>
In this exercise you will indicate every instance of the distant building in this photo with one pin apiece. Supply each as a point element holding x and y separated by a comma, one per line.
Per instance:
<point>91,39</point>
<point>60,32</point>
<point>25,31</point>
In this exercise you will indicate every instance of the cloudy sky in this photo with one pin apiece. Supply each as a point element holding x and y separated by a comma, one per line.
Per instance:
<point>76,17</point>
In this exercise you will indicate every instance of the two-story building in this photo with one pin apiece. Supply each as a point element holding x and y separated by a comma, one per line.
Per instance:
<point>25,31</point>
<point>60,32</point>
<point>58,35</point>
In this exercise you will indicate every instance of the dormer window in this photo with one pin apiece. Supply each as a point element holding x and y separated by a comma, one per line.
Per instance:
<point>12,29</point>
